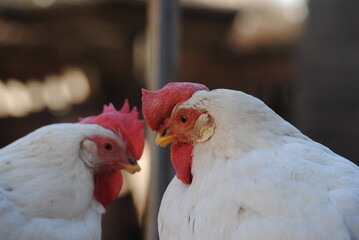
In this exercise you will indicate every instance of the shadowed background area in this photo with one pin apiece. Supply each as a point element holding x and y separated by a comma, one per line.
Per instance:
<point>63,59</point>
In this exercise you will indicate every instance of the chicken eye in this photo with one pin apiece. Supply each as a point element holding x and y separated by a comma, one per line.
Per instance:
<point>183,119</point>
<point>107,146</point>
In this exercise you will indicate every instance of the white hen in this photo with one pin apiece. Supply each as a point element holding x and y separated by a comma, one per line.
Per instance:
<point>245,173</point>
<point>56,181</point>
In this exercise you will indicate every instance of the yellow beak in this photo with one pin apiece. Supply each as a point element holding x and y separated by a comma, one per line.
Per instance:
<point>131,168</point>
<point>164,141</point>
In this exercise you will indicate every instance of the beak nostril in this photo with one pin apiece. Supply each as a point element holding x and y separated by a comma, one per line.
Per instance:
<point>131,161</point>
<point>163,133</point>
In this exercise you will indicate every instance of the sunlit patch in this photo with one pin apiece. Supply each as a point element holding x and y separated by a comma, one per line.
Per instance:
<point>43,3</point>
<point>77,85</point>
<point>35,90</point>
<point>56,92</point>
<point>138,184</point>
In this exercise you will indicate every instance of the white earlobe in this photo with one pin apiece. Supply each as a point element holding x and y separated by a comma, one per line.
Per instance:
<point>88,151</point>
<point>207,130</point>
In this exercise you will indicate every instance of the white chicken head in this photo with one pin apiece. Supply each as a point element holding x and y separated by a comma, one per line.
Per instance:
<point>107,155</point>
<point>177,124</point>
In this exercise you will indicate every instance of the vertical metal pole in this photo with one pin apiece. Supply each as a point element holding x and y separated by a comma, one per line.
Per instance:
<point>163,43</point>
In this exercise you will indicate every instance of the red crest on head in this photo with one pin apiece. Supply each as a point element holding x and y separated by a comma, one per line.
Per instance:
<point>158,105</point>
<point>124,123</point>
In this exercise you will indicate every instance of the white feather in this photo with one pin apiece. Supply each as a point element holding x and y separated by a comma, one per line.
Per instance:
<point>258,177</point>
<point>46,190</point>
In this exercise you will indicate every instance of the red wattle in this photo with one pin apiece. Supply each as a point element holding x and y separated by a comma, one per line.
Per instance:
<point>107,186</point>
<point>181,156</point>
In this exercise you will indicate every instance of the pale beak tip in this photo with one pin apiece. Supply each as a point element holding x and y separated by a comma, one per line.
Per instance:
<point>131,168</point>
<point>132,171</point>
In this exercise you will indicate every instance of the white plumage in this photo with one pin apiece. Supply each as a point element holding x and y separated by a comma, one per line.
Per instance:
<point>46,190</point>
<point>258,177</point>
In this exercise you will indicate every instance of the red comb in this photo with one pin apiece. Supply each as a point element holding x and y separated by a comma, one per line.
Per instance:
<point>124,123</point>
<point>158,105</point>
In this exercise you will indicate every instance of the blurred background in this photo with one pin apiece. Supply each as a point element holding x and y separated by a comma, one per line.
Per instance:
<point>63,59</point>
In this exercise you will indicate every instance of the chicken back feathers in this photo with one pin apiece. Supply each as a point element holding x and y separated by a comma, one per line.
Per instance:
<point>256,177</point>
